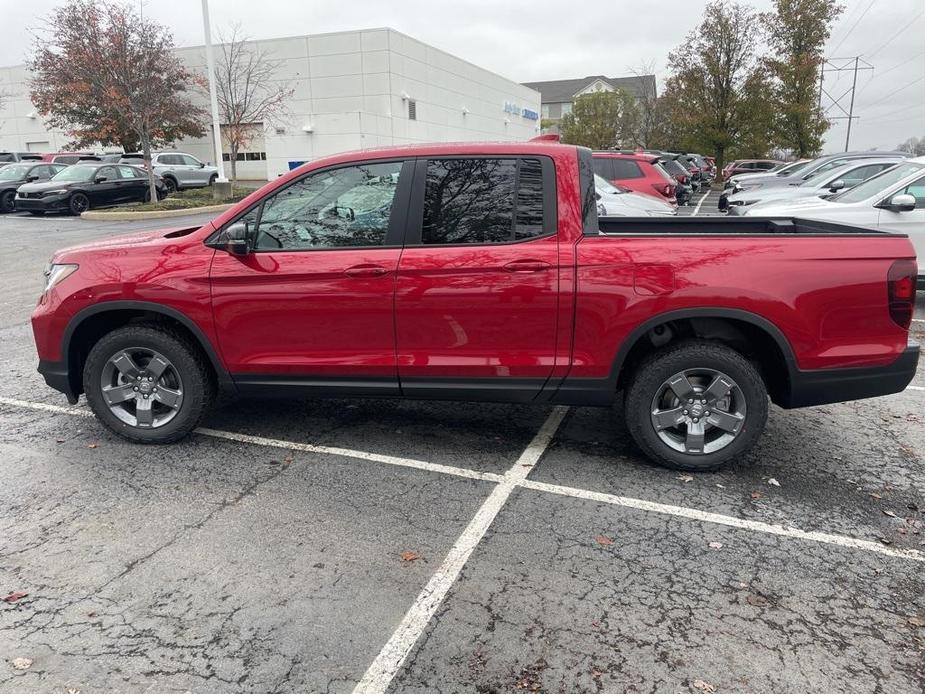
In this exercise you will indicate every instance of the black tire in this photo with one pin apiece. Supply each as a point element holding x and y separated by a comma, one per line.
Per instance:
<point>651,375</point>
<point>212,179</point>
<point>78,203</point>
<point>198,383</point>
<point>170,185</point>
<point>7,201</point>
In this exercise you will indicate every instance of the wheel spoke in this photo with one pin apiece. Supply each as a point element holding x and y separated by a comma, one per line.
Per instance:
<point>727,421</point>
<point>718,388</point>
<point>118,394</point>
<point>157,366</point>
<point>168,397</point>
<point>126,365</point>
<point>681,387</point>
<point>143,412</point>
<point>694,440</point>
<point>665,419</point>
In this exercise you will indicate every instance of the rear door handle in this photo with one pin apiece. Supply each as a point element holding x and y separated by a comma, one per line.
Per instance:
<point>366,271</point>
<point>527,266</point>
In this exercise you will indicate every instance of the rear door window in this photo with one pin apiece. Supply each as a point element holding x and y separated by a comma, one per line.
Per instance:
<point>603,167</point>
<point>626,168</point>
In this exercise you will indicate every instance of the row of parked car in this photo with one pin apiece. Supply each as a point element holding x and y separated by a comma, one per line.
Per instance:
<point>75,182</point>
<point>670,177</point>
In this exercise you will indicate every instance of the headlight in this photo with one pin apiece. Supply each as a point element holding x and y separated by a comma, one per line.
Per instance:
<point>55,273</point>
<point>46,193</point>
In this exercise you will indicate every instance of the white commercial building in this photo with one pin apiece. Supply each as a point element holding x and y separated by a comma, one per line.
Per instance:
<point>351,90</point>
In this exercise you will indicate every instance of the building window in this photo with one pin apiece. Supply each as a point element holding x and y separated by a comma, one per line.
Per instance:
<point>566,108</point>
<point>246,156</point>
<point>545,110</point>
<point>412,109</point>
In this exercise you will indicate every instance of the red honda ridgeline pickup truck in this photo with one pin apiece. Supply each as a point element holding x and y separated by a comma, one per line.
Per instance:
<point>480,272</point>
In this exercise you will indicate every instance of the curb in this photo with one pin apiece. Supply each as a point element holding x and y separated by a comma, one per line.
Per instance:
<point>122,216</point>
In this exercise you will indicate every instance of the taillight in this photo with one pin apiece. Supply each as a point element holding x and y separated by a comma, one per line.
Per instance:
<point>667,190</point>
<point>901,280</point>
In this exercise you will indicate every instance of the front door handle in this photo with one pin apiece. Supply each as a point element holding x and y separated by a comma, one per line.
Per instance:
<point>366,271</point>
<point>527,266</point>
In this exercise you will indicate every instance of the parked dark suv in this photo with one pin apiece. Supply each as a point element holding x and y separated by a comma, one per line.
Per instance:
<point>14,175</point>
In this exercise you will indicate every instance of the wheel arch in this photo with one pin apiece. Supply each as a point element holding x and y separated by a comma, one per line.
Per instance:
<point>90,324</point>
<point>749,333</point>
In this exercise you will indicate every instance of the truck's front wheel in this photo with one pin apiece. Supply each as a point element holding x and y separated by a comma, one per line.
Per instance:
<point>147,383</point>
<point>696,405</point>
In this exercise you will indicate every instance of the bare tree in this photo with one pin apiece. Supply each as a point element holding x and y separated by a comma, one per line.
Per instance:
<point>249,94</point>
<point>647,101</point>
<point>100,71</point>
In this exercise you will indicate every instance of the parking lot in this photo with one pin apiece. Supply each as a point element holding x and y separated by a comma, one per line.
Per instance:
<point>376,545</point>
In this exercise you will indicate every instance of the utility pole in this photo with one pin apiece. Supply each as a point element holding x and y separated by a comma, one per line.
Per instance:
<point>838,65</point>
<point>222,188</point>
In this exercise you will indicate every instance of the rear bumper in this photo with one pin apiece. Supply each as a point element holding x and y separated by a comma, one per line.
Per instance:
<point>823,386</point>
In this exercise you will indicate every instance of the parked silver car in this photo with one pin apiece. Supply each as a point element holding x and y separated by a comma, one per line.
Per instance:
<point>619,202</point>
<point>822,184</point>
<point>178,169</point>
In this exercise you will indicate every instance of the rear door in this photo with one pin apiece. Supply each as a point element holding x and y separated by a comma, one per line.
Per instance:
<point>477,288</point>
<point>133,182</point>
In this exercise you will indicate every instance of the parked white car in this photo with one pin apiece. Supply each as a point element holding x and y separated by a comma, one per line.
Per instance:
<point>892,201</point>
<point>820,185</point>
<point>178,169</point>
<point>618,202</point>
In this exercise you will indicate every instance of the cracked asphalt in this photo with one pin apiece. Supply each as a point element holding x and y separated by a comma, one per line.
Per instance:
<point>216,565</point>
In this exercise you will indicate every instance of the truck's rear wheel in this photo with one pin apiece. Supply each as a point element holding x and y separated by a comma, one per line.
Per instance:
<point>147,383</point>
<point>696,405</point>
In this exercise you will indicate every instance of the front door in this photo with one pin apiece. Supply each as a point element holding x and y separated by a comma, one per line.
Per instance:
<point>107,191</point>
<point>477,290</point>
<point>911,222</point>
<point>312,305</point>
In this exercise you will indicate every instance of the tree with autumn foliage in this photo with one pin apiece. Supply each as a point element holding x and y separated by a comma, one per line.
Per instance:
<point>106,75</point>
<point>248,90</point>
<point>602,120</point>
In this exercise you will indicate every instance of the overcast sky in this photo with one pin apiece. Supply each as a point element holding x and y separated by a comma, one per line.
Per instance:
<point>555,39</point>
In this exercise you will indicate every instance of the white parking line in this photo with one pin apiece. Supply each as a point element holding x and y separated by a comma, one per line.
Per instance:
<point>731,521</point>
<point>288,445</point>
<point>918,320</point>
<point>384,668</point>
<point>914,388</point>
<point>699,203</point>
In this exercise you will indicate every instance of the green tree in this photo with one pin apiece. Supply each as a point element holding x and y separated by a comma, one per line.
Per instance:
<point>714,93</point>
<point>798,31</point>
<point>105,75</point>
<point>601,120</point>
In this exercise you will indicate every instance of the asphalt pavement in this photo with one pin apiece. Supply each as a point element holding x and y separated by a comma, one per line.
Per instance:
<point>375,545</point>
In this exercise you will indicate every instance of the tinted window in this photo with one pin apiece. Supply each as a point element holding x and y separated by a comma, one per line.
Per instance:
<point>188,160</point>
<point>482,201</point>
<point>862,173</point>
<point>340,208</point>
<point>766,165</point>
<point>169,160</point>
<point>879,184</point>
<point>108,172</point>
<point>626,168</point>
<point>603,167</point>
<point>129,172</point>
<point>7,157</point>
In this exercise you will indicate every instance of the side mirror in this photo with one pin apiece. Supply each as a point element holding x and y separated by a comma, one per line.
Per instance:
<point>837,185</point>
<point>201,165</point>
<point>29,179</point>
<point>100,179</point>
<point>236,239</point>
<point>903,202</point>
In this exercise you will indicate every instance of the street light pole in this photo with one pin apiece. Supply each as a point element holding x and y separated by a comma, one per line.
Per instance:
<point>224,186</point>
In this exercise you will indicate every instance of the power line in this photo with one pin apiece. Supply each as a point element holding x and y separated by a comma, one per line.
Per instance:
<point>896,35</point>
<point>853,26</point>
<point>897,91</point>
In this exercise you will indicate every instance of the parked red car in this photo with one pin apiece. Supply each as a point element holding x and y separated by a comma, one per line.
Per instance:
<point>741,166</point>
<point>637,171</point>
<point>66,157</point>
<point>480,272</point>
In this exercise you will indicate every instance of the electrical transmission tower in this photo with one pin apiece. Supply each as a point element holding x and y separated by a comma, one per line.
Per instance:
<point>838,65</point>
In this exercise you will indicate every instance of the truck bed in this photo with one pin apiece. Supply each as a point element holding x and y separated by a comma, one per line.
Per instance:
<point>709,226</point>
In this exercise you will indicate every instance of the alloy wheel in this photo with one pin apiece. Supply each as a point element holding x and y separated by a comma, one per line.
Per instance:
<point>141,387</point>
<point>698,411</point>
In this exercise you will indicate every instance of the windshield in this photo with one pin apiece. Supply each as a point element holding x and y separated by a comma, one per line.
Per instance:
<point>879,184</point>
<point>14,172</point>
<point>792,168</point>
<point>76,173</point>
<point>816,177</point>
<point>604,186</point>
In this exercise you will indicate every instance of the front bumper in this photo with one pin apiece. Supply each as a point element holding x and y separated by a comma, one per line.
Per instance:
<point>823,386</point>
<point>52,203</point>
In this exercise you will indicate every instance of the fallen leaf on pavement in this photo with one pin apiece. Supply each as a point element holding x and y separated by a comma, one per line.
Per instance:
<point>885,540</point>
<point>92,445</point>
<point>704,687</point>
<point>773,482</point>
<point>685,478</point>
<point>874,495</point>
<point>13,597</point>
<point>716,545</point>
<point>757,495</point>
<point>721,486</point>
<point>889,513</point>
<point>59,440</point>
<point>917,621</point>
<point>603,540</point>
<point>408,555</point>
<point>22,663</point>
<point>756,600</point>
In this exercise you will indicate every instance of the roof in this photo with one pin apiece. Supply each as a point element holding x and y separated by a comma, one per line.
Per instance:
<point>559,91</point>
